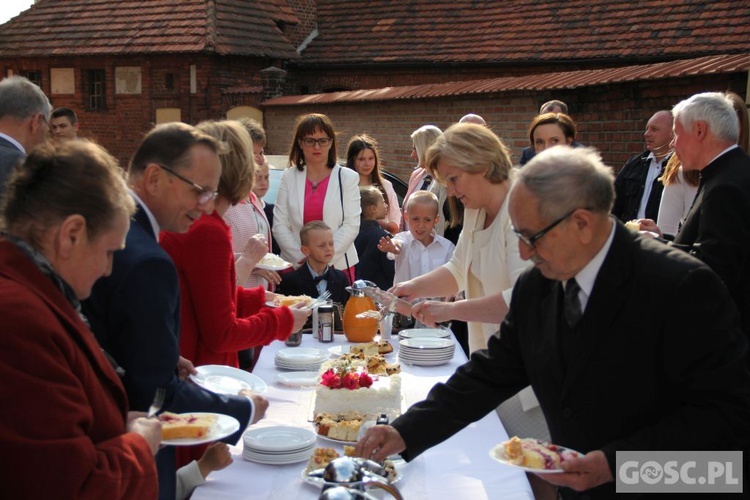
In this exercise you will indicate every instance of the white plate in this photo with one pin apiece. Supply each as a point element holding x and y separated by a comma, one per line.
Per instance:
<point>227,380</point>
<point>498,453</point>
<point>331,440</point>
<point>289,459</point>
<point>278,438</point>
<point>318,481</point>
<point>424,332</point>
<point>426,343</point>
<point>275,266</point>
<point>223,427</point>
<point>298,379</point>
<point>271,304</point>
<point>426,363</point>
<point>301,355</point>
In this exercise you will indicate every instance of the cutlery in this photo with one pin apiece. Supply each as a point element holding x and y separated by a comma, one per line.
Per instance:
<point>320,300</point>
<point>157,403</point>
<point>392,303</point>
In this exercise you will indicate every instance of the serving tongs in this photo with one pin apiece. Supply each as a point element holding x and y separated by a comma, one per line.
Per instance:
<point>388,301</point>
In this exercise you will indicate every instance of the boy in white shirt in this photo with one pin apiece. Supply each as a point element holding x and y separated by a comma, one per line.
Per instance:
<point>420,249</point>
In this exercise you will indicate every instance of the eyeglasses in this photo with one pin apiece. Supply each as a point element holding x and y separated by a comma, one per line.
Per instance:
<point>204,195</point>
<point>531,240</point>
<point>322,142</point>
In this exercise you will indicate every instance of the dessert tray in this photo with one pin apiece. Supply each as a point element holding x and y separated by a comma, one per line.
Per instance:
<point>227,380</point>
<point>223,426</point>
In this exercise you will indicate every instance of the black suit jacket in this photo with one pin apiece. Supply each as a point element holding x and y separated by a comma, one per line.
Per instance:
<point>300,282</point>
<point>657,362</point>
<point>10,156</point>
<point>717,228</point>
<point>373,264</point>
<point>135,315</point>
<point>630,185</point>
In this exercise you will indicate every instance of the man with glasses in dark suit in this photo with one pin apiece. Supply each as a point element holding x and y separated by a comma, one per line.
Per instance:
<point>628,344</point>
<point>135,312</point>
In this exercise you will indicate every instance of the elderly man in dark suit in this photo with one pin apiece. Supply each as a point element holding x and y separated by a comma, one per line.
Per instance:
<point>717,228</point>
<point>24,122</point>
<point>135,312</point>
<point>628,344</point>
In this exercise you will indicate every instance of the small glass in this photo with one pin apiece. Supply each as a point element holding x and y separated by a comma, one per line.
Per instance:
<point>294,339</point>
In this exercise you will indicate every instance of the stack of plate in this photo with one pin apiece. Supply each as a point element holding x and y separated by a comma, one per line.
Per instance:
<point>304,359</point>
<point>437,333</point>
<point>426,351</point>
<point>278,445</point>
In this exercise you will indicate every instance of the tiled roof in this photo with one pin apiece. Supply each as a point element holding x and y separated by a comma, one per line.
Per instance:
<point>102,27</point>
<point>566,80</point>
<point>525,31</point>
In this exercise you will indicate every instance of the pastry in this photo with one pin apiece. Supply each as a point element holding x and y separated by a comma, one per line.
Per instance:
<point>186,425</point>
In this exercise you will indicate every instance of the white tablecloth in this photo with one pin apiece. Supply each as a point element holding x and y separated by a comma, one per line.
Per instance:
<point>457,468</point>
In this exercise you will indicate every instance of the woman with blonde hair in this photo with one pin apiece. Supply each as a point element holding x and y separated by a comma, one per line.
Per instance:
<point>474,166</point>
<point>420,179</point>
<point>218,317</point>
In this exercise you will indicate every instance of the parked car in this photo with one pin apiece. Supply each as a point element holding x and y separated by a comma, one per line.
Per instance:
<point>279,163</point>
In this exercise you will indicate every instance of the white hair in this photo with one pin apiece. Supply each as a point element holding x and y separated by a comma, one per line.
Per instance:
<point>714,108</point>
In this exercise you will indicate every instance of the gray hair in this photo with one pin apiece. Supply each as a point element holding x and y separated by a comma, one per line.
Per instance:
<point>549,106</point>
<point>714,108</point>
<point>564,179</point>
<point>423,138</point>
<point>21,99</point>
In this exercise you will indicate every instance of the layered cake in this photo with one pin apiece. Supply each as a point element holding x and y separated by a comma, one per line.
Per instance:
<point>347,385</point>
<point>186,425</point>
<point>536,454</point>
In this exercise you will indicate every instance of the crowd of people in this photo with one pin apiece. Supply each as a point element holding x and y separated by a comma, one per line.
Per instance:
<point>583,331</point>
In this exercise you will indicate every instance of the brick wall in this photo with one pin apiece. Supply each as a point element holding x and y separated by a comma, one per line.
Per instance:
<point>121,125</point>
<point>610,117</point>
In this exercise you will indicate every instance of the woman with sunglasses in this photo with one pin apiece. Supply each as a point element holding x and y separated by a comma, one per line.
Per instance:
<point>315,187</point>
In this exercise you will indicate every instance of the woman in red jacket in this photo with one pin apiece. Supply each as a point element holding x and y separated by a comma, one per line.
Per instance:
<point>218,317</point>
<point>64,426</point>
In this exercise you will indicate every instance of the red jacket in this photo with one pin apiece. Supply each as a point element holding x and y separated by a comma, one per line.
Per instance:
<point>63,409</point>
<point>218,317</point>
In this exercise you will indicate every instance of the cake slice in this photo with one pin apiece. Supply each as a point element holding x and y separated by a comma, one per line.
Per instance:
<point>536,454</point>
<point>186,425</point>
<point>368,349</point>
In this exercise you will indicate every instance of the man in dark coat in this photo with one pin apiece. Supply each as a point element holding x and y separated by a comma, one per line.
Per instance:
<point>24,122</point>
<point>717,228</point>
<point>628,344</point>
<point>637,186</point>
<point>135,312</point>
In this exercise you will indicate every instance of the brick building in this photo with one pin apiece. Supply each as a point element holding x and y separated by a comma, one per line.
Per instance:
<point>378,66</point>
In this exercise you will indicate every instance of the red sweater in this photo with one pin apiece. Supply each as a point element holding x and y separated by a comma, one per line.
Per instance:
<point>218,317</point>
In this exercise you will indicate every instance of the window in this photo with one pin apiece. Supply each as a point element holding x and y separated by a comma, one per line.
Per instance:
<point>96,90</point>
<point>34,77</point>
<point>169,81</point>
